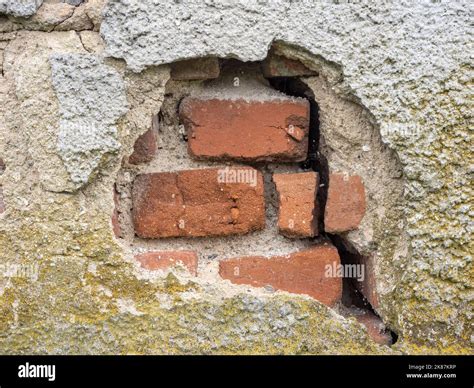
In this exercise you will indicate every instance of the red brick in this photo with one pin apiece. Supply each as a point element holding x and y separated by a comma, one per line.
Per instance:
<point>195,69</point>
<point>144,149</point>
<point>279,66</point>
<point>345,205</point>
<point>301,272</point>
<point>198,203</point>
<point>271,130</point>
<point>169,259</point>
<point>375,328</point>
<point>115,217</point>
<point>298,211</point>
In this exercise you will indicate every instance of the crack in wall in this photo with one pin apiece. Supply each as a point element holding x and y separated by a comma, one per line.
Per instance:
<point>353,296</point>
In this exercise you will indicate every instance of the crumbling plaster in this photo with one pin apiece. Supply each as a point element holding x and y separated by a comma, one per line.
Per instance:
<point>407,64</point>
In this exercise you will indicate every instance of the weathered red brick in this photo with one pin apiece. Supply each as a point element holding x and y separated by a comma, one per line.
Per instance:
<point>268,130</point>
<point>298,210</point>
<point>279,66</point>
<point>195,69</point>
<point>302,272</point>
<point>168,259</point>
<point>207,202</point>
<point>375,328</point>
<point>145,146</point>
<point>345,205</point>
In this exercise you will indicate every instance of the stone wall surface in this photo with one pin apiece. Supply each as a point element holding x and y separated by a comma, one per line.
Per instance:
<point>74,99</point>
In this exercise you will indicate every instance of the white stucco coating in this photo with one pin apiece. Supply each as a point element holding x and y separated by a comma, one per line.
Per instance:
<point>19,7</point>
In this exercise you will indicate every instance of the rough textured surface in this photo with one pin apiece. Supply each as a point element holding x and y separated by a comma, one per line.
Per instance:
<point>375,328</point>
<point>56,15</point>
<point>145,147</point>
<point>166,260</point>
<point>73,2</point>
<point>48,16</point>
<point>298,210</point>
<point>78,21</point>
<point>19,7</point>
<point>2,203</point>
<point>92,99</point>
<point>407,66</point>
<point>27,87</point>
<point>411,71</point>
<point>115,216</point>
<point>197,203</point>
<point>195,69</point>
<point>279,66</point>
<point>302,272</point>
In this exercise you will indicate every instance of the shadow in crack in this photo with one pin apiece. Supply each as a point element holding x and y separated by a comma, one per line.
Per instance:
<point>354,301</point>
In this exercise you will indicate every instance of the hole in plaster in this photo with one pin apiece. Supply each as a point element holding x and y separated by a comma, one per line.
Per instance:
<point>172,155</point>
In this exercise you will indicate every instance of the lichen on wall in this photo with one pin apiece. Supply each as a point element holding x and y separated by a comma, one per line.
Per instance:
<point>405,64</point>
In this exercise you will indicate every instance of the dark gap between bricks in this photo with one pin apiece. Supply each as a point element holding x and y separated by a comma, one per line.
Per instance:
<point>352,295</point>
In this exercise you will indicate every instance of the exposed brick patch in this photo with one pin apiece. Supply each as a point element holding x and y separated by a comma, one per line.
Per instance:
<point>197,203</point>
<point>345,205</point>
<point>280,66</point>
<point>165,260</point>
<point>298,209</point>
<point>195,69</point>
<point>247,122</point>
<point>145,146</point>
<point>221,129</point>
<point>375,328</point>
<point>301,272</point>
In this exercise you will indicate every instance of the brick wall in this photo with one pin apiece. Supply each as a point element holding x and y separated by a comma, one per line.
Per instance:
<point>232,139</point>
